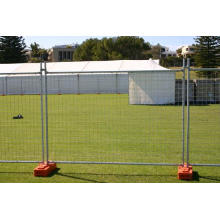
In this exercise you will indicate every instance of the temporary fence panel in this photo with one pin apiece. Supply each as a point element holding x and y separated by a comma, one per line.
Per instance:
<point>204,120</point>
<point>97,121</point>
<point>105,128</point>
<point>20,120</point>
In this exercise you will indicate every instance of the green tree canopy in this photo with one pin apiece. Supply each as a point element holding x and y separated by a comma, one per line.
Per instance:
<point>12,49</point>
<point>35,49</point>
<point>207,53</point>
<point>155,51</point>
<point>171,61</point>
<point>38,54</point>
<point>116,48</point>
<point>179,52</point>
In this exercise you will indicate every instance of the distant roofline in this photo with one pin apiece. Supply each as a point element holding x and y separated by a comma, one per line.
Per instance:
<point>185,46</point>
<point>65,46</point>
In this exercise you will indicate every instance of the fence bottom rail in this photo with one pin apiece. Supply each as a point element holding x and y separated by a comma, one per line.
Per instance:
<point>19,161</point>
<point>204,165</point>
<point>116,163</point>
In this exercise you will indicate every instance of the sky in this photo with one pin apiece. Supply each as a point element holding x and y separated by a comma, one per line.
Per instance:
<point>173,42</point>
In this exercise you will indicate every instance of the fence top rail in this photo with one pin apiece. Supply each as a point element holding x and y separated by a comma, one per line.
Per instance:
<point>204,69</point>
<point>115,72</point>
<point>21,73</point>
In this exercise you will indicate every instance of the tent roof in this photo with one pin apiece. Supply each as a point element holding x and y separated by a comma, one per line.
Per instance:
<point>20,68</point>
<point>117,65</point>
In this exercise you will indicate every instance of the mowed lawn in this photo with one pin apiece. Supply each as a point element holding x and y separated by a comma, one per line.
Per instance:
<point>105,128</point>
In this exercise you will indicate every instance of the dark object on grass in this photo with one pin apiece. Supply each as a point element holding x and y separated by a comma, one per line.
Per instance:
<point>19,116</point>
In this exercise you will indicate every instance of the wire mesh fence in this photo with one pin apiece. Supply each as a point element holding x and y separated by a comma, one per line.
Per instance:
<point>20,118</point>
<point>108,127</point>
<point>204,125</point>
<point>134,117</point>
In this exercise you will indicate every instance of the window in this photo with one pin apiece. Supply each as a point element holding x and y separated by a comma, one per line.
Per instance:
<point>68,55</point>
<point>60,57</point>
<point>64,55</point>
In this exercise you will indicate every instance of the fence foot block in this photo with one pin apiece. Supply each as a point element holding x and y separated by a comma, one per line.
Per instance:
<point>185,173</point>
<point>44,169</point>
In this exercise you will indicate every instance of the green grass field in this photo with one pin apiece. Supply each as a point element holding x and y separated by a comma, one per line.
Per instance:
<point>105,128</point>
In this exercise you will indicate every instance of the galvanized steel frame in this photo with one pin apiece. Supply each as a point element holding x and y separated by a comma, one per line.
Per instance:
<point>40,73</point>
<point>188,113</point>
<point>116,72</point>
<point>44,123</point>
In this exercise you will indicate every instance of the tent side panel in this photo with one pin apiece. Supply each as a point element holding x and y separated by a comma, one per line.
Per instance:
<point>31,85</point>
<point>152,88</point>
<point>14,85</point>
<point>122,83</point>
<point>107,83</point>
<point>88,84</point>
<point>2,86</point>
<point>68,84</point>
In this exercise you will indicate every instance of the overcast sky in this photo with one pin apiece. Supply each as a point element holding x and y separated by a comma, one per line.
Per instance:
<point>173,42</point>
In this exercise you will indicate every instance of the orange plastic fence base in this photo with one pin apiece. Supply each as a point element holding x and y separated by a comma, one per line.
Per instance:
<point>185,173</point>
<point>44,169</point>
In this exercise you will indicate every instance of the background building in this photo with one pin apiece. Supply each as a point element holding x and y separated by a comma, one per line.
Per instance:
<point>187,51</point>
<point>61,53</point>
<point>165,52</point>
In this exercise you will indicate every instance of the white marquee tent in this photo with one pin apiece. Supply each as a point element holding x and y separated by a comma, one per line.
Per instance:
<point>94,77</point>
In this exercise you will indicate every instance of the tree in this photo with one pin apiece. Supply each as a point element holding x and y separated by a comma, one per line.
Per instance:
<point>38,54</point>
<point>35,49</point>
<point>131,48</point>
<point>12,49</point>
<point>179,52</point>
<point>116,48</point>
<point>85,51</point>
<point>171,61</point>
<point>155,51</point>
<point>207,53</point>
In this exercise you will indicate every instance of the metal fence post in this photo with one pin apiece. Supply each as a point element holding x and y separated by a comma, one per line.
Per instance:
<point>42,110</point>
<point>46,113</point>
<point>183,112</point>
<point>78,89</point>
<point>59,90</point>
<point>6,85</point>
<point>188,110</point>
<point>21,87</point>
<point>116,83</point>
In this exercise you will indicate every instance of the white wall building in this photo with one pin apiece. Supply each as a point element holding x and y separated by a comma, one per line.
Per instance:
<point>166,52</point>
<point>91,77</point>
<point>187,50</point>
